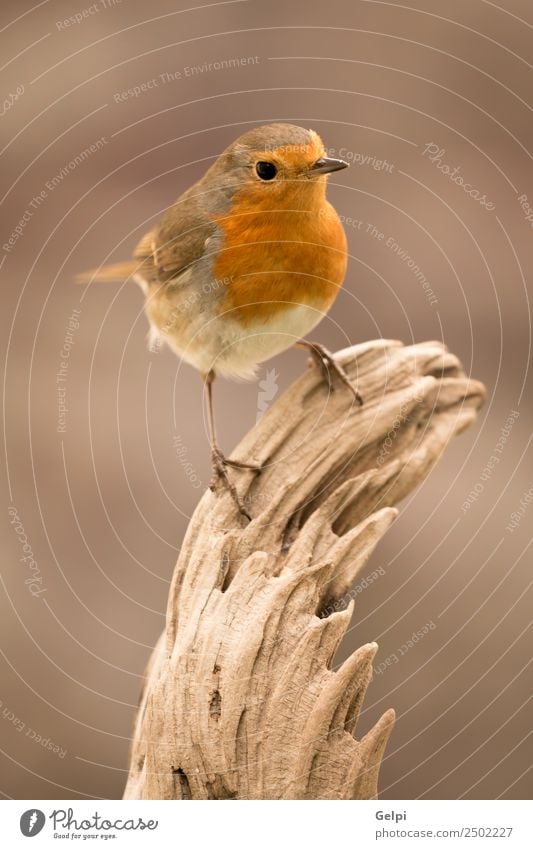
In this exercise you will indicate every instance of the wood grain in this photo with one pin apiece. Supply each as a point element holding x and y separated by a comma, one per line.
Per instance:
<point>240,700</point>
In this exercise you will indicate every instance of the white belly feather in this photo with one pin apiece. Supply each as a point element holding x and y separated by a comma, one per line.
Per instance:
<point>234,351</point>
<point>210,341</point>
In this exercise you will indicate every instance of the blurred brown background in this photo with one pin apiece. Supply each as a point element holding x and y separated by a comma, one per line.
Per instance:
<point>100,495</point>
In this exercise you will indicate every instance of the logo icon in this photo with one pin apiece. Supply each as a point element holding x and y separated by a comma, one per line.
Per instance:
<point>269,389</point>
<point>32,822</point>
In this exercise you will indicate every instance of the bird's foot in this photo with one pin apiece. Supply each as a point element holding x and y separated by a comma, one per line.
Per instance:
<point>325,360</point>
<point>220,476</point>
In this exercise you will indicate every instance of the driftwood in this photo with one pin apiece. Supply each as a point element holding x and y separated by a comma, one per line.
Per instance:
<point>241,701</point>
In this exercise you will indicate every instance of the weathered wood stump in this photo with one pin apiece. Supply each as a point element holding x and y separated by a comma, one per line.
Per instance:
<point>240,700</point>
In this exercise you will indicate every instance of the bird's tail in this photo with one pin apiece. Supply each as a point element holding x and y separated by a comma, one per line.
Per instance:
<point>108,273</point>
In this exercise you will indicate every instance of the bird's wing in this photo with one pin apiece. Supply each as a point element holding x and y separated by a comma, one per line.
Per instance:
<point>176,243</point>
<point>166,251</point>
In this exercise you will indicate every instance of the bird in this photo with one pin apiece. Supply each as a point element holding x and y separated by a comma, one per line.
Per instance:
<point>243,265</point>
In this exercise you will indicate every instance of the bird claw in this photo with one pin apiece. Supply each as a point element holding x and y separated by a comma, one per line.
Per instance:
<point>220,476</point>
<point>325,360</point>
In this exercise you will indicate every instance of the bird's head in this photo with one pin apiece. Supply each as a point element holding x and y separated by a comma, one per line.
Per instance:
<point>276,162</point>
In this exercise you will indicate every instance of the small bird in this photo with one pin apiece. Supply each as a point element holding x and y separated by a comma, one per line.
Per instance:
<point>245,263</point>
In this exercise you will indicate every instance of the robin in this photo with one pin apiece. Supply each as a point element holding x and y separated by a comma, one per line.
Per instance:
<point>245,262</point>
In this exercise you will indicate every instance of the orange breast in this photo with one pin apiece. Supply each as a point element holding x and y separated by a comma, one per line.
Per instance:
<point>275,256</point>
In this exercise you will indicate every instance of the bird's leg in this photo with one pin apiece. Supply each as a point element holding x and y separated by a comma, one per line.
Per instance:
<point>218,460</point>
<point>326,361</point>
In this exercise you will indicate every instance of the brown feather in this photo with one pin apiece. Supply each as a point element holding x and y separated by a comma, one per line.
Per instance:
<point>108,273</point>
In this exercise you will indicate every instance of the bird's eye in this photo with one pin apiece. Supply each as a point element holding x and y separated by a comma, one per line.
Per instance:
<point>266,170</point>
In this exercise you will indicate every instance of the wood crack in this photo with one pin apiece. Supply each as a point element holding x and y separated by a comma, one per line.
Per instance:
<point>240,694</point>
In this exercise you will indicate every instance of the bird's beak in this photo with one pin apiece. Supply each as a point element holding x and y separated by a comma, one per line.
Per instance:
<point>326,166</point>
